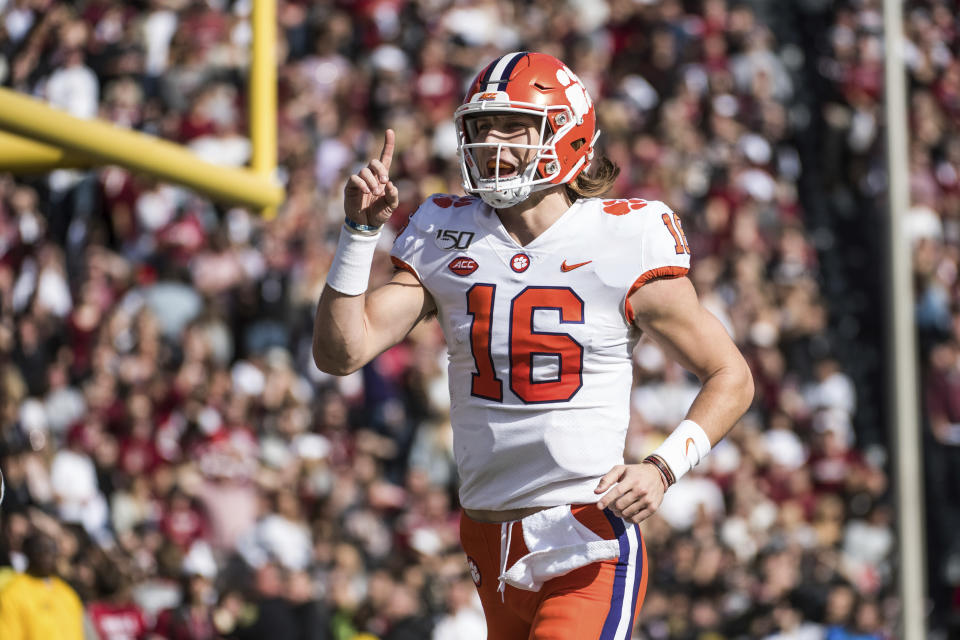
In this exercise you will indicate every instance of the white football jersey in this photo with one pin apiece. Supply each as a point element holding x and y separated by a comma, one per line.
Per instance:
<point>539,338</point>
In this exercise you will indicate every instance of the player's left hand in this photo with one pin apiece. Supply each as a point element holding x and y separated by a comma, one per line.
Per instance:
<point>633,491</point>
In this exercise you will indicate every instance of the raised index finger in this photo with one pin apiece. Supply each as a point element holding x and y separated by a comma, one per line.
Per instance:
<point>386,155</point>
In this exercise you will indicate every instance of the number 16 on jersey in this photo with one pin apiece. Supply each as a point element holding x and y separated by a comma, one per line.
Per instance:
<point>525,343</point>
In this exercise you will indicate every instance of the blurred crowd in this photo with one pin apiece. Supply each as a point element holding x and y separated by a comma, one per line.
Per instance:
<point>853,115</point>
<point>162,422</point>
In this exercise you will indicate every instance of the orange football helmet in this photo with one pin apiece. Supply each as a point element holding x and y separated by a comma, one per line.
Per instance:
<point>534,84</point>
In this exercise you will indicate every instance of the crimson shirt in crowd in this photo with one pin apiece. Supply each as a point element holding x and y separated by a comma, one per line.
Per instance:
<point>117,621</point>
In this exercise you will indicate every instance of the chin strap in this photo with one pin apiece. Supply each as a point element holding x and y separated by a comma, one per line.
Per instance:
<point>506,197</point>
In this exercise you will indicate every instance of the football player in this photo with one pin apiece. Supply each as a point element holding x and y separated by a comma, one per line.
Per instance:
<point>542,289</point>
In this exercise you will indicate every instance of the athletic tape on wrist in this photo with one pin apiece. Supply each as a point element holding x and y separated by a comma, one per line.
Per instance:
<point>684,448</point>
<point>350,271</point>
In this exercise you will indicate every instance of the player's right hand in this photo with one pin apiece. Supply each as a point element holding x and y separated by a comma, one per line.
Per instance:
<point>370,197</point>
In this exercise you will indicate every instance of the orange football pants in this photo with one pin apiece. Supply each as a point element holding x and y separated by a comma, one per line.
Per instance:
<point>598,601</point>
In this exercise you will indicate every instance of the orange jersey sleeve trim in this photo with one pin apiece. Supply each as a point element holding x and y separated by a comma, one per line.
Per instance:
<point>400,264</point>
<point>649,276</point>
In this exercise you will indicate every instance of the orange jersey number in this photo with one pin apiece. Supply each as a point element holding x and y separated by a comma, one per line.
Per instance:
<point>525,343</point>
<point>676,230</point>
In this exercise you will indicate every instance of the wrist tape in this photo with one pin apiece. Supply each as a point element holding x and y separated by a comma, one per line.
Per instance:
<point>681,451</point>
<point>350,272</point>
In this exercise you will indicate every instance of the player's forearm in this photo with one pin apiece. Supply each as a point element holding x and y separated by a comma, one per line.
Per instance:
<point>339,333</point>
<point>339,330</point>
<point>725,396</point>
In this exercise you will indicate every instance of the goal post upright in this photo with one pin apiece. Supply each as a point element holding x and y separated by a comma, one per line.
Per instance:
<point>262,93</point>
<point>903,381</point>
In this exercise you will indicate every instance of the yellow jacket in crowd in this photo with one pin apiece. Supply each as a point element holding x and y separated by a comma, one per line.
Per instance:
<point>33,608</point>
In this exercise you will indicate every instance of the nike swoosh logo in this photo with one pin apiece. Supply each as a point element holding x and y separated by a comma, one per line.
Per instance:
<point>686,452</point>
<point>570,267</point>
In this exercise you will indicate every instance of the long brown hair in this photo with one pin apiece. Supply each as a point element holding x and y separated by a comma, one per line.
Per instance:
<point>603,173</point>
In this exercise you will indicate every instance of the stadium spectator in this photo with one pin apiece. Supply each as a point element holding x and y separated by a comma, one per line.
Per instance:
<point>193,615</point>
<point>37,603</point>
<point>117,616</point>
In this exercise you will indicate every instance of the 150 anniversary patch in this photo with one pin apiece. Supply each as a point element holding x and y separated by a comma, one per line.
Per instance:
<point>454,240</point>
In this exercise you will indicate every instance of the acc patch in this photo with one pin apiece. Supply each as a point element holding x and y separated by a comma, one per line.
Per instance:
<point>474,571</point>
<point>463,266</point>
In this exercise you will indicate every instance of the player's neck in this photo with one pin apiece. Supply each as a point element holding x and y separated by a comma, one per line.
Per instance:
<point>527,220</point>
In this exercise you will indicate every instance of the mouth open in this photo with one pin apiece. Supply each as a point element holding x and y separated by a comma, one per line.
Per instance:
<point>506,169</point>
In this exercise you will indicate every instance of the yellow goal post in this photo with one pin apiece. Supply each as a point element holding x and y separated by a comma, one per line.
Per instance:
<point>35,137</point>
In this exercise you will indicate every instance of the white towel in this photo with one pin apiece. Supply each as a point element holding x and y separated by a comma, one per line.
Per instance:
<point>558,544</point>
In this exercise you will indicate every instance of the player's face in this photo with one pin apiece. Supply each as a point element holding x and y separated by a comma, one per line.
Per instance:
<point>508,128</point>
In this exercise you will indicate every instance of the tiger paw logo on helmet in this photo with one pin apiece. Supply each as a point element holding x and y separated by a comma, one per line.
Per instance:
<point>532,84</point>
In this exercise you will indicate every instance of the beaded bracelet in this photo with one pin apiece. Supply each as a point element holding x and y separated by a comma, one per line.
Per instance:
<point>665,474</point>
<point>365,229</point>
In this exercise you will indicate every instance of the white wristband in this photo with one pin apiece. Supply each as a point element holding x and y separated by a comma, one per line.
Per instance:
<point>684,448</point>
<point>350,271</point>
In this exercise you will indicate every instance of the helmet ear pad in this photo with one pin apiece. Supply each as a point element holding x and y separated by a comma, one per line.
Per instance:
<point>569,146</point>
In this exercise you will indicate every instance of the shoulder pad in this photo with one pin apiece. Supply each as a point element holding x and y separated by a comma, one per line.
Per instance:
<point>439,207</point>
<point>446,201</point>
